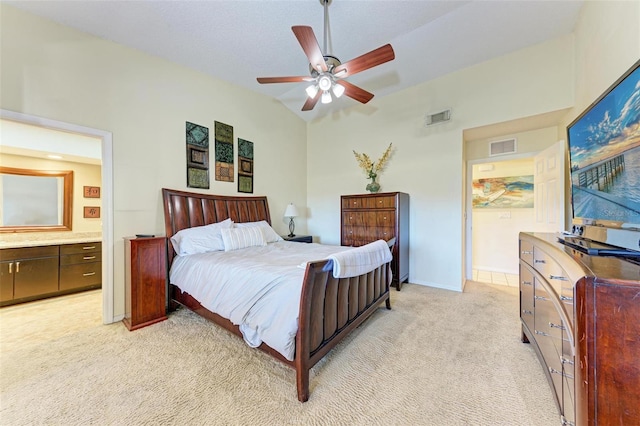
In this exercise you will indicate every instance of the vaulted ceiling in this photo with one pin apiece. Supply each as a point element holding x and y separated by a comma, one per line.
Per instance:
<point>239,40</point>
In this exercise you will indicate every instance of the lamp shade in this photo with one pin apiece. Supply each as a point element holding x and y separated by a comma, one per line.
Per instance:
<point>291,211</point>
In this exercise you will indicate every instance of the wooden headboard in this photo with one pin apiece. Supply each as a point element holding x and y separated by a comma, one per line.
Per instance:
<point>188,209</point>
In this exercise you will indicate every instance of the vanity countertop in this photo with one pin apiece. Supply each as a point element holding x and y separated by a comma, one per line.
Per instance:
<point>32,240</point>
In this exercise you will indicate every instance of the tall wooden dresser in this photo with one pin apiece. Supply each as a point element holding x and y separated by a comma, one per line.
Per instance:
<point>581,314</point>
<point>369,217</point>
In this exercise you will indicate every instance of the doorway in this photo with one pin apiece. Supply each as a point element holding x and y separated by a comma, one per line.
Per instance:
<point>106,194</point>
<point>502,201</point>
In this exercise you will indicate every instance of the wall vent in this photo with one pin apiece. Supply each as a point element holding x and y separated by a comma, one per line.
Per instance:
<point>507,146</point>
<point>438,117</point>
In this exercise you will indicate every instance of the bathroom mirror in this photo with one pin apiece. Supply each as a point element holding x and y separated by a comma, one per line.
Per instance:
<point>35,200</point>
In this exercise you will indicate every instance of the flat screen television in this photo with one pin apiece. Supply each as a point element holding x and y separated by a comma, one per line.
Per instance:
<point>604,150</point>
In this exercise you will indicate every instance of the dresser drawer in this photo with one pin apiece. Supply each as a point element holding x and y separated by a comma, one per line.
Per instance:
<point>28,253</point>
<point>526,252</point>
<point>80,248</point>
<point>72,259</point>
<point>80,275</point>
<point>550,270</point>
<point>526,297</point>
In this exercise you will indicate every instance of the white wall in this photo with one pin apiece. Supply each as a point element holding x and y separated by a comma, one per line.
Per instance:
<point>52,71</point>
<point>428,163</point>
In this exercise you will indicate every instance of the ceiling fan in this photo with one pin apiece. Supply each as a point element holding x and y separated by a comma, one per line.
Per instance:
<point>327,72</point>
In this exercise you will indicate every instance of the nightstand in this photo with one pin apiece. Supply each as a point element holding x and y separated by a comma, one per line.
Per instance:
<point>145,281</point>
<point>299,238</point>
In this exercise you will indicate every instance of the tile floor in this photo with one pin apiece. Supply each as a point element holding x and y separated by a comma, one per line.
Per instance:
<point>491,277</point>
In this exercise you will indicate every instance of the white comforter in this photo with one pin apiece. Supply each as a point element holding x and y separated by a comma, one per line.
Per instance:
<point>256,288</point>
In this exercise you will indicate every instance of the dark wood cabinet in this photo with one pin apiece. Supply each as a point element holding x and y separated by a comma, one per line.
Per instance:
<point>145,281</point>
<point>369,217</point>
<point>31,273</point>
<point>28,273</point>
<point>582,315</point>
<point>80,266</point>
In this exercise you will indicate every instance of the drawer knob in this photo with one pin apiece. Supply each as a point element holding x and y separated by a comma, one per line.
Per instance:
<point>542,333</point>
<point>527,252</point>
<point>552,325</point>
<point>88,274</point>
<point>88,257</point>
<point>88,248</point>
<point>527,283</point>
<point>566,360</point>
<point>567,298</point>
<point>539,298</point>
<point>539,261</point>
<point>525,311</point>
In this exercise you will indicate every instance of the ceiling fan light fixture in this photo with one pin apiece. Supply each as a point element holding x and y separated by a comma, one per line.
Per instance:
<point>338,89</point>
<point>326,97</point>
<point>312,91</point>
<point>325,82</point>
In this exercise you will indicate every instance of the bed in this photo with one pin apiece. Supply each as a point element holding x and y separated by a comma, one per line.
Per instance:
<point>329,308</point>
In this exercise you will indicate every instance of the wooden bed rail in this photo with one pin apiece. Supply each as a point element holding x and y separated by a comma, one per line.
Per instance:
<point>330,308</point>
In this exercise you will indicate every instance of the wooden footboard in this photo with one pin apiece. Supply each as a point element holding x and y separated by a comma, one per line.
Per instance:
<point>329,309</point>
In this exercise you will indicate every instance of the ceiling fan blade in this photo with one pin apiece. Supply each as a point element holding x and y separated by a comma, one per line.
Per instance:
<point>364,62</point>
<point>309,43</point>
<point>311,102</point>
<point>296,79</point>
<point>356,92</point>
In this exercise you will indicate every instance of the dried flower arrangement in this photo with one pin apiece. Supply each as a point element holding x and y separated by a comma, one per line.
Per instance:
<point>371,168</point>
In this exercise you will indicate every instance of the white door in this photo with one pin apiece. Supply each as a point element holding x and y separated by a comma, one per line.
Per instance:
<point>548,189</point>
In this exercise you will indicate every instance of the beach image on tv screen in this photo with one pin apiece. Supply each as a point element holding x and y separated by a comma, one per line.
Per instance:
<point>604,146</point>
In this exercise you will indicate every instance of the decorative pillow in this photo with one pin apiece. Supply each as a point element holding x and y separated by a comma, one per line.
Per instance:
<point>238,238</point>
<point>200,239</point>
<point>269,233</point>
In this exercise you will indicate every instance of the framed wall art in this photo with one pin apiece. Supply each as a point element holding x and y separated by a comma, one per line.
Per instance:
<point>245,166</point>
<point>224,152</point>
<point>197,156</point>
<point>91,191</point>
<point>91,212</point>
<point>510,192</point>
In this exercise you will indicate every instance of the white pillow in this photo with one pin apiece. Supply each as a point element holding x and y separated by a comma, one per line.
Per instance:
<point>238,238</point>
<point>269,233</point>
<point>200,239</point>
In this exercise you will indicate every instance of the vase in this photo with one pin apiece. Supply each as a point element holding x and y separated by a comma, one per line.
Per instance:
<point>373,186</point>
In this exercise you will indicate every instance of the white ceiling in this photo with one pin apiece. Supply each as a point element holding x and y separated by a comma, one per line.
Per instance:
<point>239,40</point>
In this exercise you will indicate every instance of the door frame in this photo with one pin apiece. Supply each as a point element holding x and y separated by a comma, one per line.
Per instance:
<point>106,195</point>
<point>468,212</point>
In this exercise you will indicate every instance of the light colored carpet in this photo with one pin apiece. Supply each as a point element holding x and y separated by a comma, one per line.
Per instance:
<point>437,358</point>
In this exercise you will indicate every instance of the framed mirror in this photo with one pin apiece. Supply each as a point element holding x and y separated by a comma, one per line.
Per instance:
<point>35,200</point>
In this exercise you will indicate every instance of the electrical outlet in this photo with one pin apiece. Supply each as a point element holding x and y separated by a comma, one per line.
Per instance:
<point>505,215</point>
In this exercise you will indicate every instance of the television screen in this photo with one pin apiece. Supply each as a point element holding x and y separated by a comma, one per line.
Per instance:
<point>604,148</point>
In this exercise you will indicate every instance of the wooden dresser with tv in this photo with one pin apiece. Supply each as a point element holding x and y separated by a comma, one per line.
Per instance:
<point>581,314</point>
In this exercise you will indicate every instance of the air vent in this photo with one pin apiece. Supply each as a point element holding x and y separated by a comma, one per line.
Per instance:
<point>507,146</point>
<point>438,117</point>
